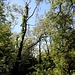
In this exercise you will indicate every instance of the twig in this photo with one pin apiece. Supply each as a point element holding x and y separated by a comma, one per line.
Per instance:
<point>41,36</point>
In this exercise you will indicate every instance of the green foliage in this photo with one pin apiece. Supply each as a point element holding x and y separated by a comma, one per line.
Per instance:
<point>6,46</point>
<point>61,34</point>
<point>45,68</point>
<point>2,15</point>
<point>6,49</point>
<point>57,25</point>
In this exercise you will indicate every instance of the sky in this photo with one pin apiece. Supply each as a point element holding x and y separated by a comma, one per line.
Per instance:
<point>42,8</point>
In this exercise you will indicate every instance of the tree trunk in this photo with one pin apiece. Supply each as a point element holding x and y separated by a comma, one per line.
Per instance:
<point>16,66</point>
<point>40,52</point>
<point>69,70</point>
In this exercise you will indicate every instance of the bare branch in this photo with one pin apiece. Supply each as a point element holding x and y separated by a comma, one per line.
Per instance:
<point>29,1</point>
<point>33,44</point>
<point>33,12</point>
<point>70,8</point>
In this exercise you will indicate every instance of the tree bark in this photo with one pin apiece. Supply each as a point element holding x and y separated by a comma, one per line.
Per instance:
<point>40,52</point>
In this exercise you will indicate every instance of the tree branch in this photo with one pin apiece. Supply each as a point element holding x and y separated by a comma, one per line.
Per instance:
<point>70,7</point>
<point>33,12</point>
<point>33,44</point>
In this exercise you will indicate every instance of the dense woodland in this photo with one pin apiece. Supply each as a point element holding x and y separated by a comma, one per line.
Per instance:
<point>47,49</point>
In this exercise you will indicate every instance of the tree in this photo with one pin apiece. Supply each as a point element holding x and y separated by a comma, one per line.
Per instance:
<point>6,45</point>
<point>24,30</point>
<point>60,30</point>
<point>60,22</point>
<point>54,35</point>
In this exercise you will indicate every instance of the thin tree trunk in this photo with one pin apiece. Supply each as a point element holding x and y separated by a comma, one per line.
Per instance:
<point>16,66</point>
<point>47,47</point>
<point>69,70</point>
<point>40,52</point>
